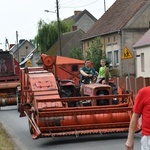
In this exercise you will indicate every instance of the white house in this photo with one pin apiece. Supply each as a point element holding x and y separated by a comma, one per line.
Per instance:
<point>142,55</point>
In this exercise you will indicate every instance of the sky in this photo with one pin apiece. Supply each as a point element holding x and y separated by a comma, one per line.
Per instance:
<point>23,16</point>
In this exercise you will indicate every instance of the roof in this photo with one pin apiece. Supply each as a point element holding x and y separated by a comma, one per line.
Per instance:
<point>66,60</point>
<point>143,41</point>
<point>78,15</point>
<point>115,18</point>
<point>17,46</point>
<point>69,40</point>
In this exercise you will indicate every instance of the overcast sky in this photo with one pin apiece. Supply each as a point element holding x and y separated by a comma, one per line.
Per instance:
<point>23,16</point>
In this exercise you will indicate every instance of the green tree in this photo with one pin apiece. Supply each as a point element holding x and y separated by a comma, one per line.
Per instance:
<point>95,53</point>
<point>47,34</point>
<point>76,53</point>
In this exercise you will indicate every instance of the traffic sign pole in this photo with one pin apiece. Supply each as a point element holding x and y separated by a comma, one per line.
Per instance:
<point>127,55</point>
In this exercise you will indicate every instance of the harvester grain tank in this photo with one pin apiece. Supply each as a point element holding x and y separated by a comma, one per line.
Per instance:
<point>9,79</point>
<point>54,107</point>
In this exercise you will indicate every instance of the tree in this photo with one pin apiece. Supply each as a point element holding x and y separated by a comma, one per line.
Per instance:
<point>76,53</point>
<point>95,53</point>
<point>47,34</point>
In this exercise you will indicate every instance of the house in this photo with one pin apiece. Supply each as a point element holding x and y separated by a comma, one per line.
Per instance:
<point>31,59</point>
<point>22,49</point>
<point>120,26</point>
<point>69,41</point>
<point>142,51</point>
<point>81,20</point>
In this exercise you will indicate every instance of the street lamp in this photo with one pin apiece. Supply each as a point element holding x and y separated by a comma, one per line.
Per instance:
<point>58,22</point>
<point>49,11</point>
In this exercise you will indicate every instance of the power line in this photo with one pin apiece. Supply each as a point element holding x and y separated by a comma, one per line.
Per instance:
<point>71,2</point>
<point>80,6</point>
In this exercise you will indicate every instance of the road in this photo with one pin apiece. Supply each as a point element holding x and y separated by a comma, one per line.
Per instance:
<point>18,129</point>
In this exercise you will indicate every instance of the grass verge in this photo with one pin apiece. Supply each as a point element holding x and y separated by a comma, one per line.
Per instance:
<point>5,141</point>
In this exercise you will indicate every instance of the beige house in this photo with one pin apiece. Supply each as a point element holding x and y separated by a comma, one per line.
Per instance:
<point>83,20</point>
<point>142,51</point>
<point>121,26</point>
<point>22,49</point>
<point>31,59</point>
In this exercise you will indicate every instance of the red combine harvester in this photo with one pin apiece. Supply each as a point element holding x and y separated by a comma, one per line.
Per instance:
<point>51,100</point>
<point>9,79</point>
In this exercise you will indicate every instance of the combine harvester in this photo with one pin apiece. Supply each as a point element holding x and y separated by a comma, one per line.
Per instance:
<point>51,100</point>
<point>9,79</point>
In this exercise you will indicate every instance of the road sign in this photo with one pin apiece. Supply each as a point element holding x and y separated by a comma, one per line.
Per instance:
<point>126,54</point>
<point>29,63</point>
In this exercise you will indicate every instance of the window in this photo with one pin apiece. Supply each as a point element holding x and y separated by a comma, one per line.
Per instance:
<point>109,55</point>
<point>116,57</point>
<point>74,68</point>
<point>108,39</point>
<point>88,44</point>
<point>114,38</point>
<point>142,63</point>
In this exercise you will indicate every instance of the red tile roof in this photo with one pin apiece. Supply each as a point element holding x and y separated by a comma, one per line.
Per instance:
<point>115,18</point>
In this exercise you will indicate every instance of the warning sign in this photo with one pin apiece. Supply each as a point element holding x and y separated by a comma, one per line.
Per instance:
<point>126,54</point>
<point>29,63</point>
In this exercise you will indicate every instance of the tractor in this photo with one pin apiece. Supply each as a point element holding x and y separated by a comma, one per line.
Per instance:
<point>50,98</point>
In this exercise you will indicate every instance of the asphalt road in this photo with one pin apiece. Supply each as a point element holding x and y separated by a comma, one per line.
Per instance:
<point>18,129</point>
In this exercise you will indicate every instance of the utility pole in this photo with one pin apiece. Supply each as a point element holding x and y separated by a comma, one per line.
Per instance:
<point>59,31</point>
<point>5,44</point>
<point>17,43</point>
<point>104,6</point>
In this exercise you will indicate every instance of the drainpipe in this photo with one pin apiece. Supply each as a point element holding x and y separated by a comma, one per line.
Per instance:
<point>135,61</point>
<point>120,37</point>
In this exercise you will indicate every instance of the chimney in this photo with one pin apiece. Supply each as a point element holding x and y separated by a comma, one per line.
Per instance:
<point>20,41</point>
<point>76,12</point>
<point>74,28</point>
<point>11,45</point>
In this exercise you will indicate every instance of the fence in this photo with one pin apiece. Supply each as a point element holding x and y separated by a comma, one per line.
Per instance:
<point>132,83</point>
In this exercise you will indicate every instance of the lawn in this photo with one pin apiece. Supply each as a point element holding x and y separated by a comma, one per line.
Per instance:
<point>5,141</point>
